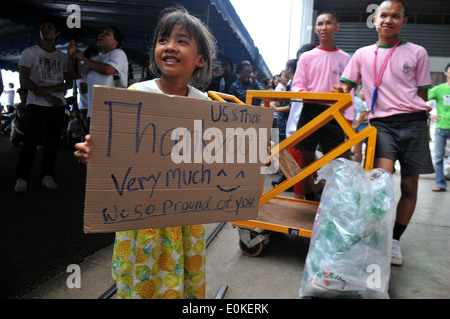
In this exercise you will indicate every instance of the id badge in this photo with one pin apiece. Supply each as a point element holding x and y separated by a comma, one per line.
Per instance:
<point>374,97</point>
<point>446,100</point>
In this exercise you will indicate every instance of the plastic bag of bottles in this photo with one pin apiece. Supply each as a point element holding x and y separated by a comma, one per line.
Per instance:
<point>350,249</point>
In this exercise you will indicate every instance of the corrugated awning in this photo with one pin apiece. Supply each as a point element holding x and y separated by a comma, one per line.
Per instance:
<point>19,26</point>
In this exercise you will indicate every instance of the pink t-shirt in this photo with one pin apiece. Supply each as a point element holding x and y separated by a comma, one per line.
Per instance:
<point>318,70</point>
<point>406,72</point>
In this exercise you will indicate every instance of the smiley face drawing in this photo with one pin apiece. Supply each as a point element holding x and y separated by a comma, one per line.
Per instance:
<point>232,189</point>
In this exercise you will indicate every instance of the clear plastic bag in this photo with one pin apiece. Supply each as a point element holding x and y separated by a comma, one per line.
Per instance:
<point>350,249</point>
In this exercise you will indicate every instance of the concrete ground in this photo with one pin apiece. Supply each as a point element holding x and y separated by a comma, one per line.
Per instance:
<point>277,272</point>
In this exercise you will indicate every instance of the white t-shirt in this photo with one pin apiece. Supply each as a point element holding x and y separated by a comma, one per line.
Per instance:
<point>47,69</point>
<point>117,59</point>
<point>83,105</point>
<point>10,96</point>
<point>294,116</point>
<point>152,86</point>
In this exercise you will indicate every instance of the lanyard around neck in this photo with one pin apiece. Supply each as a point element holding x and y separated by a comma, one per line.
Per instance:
<point>376,83</point>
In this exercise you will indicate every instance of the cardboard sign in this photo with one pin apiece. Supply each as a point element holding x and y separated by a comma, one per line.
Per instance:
<point>160,160</point>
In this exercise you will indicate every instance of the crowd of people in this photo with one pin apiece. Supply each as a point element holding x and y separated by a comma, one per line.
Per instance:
<point>396,106</point>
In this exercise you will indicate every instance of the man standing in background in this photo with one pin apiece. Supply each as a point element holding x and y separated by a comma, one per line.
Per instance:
<point>318,70</point>
<point>441,94</point>
<point>43,71</point>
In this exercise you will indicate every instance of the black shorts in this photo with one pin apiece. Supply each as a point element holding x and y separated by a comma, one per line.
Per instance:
<point>405,137</point>
<point>329,136</point>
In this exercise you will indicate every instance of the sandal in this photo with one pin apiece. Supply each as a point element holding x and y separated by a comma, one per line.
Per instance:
<point>438,189</point>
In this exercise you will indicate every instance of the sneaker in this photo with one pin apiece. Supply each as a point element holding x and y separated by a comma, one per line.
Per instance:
<point>49,183</point>
<point>396,258</point>
<point>21,185</point>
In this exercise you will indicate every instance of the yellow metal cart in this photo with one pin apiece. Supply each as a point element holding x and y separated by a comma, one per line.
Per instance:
<point>291,215</point>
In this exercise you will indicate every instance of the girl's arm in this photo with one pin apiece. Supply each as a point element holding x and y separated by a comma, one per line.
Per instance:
<point>83,150</point>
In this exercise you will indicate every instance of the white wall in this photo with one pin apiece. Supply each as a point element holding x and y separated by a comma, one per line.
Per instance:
<point>438,64</point>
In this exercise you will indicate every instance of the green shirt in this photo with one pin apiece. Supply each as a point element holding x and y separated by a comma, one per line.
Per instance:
<point>441,93</point>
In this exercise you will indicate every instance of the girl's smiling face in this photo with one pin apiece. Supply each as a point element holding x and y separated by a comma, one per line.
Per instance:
<point>176,55</point>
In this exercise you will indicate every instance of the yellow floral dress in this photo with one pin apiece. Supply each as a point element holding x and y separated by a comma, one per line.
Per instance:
<point>164,263</point>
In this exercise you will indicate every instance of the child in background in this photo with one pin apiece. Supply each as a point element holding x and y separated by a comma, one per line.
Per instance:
<point>281,114</point>
<point>167,262</point>
<point>17,126</point>
<point>281,108</point>
<point>75,131</point>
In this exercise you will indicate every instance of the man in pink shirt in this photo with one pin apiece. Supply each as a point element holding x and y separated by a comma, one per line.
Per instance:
<point>396,96</point>
<point>317,71</point>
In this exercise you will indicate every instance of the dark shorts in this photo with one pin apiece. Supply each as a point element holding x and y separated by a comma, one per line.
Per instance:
<point>405,137</point>
<point>329,136</point>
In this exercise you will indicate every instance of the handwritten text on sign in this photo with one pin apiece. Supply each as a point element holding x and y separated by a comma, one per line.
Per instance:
<point>161,161</point>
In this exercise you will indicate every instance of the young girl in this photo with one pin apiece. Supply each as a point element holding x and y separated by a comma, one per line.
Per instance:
<point>167,262</point>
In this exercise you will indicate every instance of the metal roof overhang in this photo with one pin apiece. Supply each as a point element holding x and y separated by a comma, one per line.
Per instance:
<point>19,26</point>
